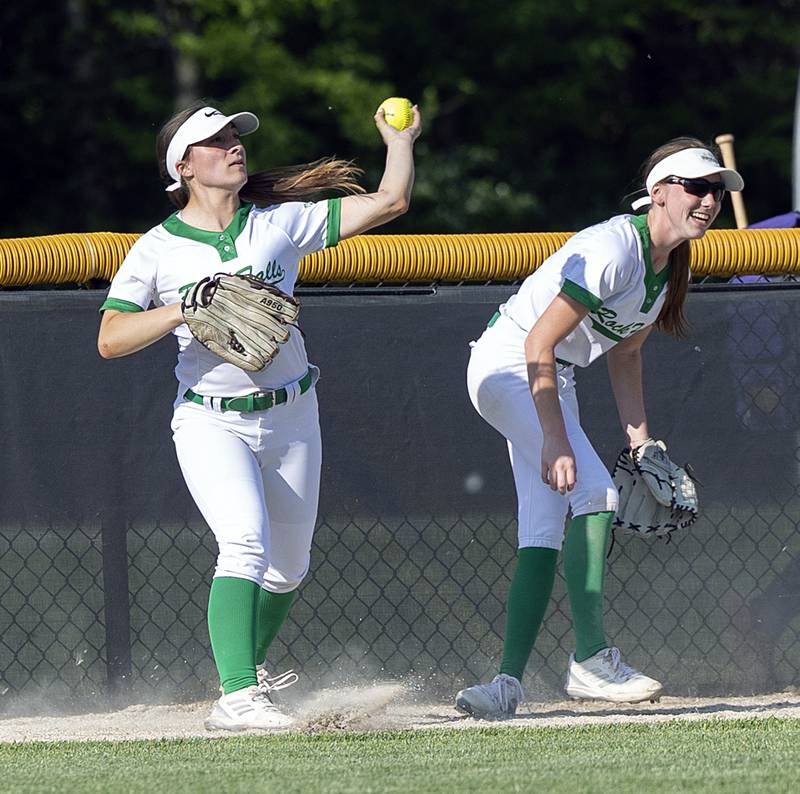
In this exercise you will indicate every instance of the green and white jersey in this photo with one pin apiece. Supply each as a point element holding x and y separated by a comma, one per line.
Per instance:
<point>166,262</point>
<point>607,268</point>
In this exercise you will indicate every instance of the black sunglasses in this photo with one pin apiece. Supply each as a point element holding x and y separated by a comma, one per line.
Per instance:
<point>699,187</point>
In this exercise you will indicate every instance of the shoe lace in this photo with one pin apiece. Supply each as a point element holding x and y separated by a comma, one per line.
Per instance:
<point>261,699</point>
<point>275,683</point>
<point>508,691</point>
<point>621,671</point>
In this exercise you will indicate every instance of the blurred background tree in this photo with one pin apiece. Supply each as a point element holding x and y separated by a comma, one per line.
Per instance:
<point>537,113</point>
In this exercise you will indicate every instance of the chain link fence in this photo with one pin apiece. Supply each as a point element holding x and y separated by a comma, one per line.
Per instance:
<point>416,539</point>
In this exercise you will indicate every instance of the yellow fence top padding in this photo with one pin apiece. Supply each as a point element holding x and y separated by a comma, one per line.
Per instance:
<point>62,258</point>
<point>79,258</point>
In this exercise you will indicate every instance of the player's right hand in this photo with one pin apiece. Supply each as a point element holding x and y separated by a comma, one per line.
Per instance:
<point>389,133</point>
<point>559,470</point>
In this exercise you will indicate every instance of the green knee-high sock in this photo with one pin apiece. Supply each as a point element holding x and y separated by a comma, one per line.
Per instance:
<point>584,569</point>
<point>528,598</point>
<point>232,629</point>
<point>272,611</point>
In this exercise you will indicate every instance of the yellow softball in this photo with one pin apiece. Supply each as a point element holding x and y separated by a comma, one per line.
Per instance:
<point>397,111</point>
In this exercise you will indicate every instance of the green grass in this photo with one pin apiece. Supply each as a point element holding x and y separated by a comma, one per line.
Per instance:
<point>731,756</point>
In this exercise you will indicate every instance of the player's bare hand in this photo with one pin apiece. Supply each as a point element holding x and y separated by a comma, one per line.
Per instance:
<point>558,466</point>
<point>389,133</point>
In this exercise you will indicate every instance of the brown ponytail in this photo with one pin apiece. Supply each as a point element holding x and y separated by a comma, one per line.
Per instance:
<point>671,318</point>
<point>301,182</point>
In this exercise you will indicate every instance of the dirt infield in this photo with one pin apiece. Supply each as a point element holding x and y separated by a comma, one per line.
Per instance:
<point>388,706</point>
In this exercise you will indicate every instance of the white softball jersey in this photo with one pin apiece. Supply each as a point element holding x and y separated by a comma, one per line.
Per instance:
<point>167,261</point>
<point>606,268</point>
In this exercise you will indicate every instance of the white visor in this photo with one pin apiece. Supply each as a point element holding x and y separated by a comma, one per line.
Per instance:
<point>688,164</point>
<point>199,126</point>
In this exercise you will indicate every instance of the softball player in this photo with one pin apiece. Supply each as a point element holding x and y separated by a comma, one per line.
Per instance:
<point>248,443</point>
<point>602,292</point>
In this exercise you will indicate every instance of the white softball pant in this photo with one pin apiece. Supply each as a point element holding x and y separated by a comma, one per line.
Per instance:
<point>497,381</point>
<point>255,478</point>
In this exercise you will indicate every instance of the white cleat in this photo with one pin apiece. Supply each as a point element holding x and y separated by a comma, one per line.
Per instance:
<point>246,709</point>
<point>497,700</point>
<point>605,676</point>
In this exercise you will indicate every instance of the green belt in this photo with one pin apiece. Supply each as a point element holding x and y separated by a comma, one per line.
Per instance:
<point>260,401</point>
<point>496,316</point>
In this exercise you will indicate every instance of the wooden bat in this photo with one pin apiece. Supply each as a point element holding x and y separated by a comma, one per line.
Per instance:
<point>725,143</point>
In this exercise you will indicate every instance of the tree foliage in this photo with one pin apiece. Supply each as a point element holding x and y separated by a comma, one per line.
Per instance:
<point>537,113</point>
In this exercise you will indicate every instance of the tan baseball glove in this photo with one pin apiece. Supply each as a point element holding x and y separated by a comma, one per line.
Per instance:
<point>241,318</point>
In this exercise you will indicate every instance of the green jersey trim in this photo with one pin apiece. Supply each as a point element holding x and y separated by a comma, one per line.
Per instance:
<point>224,241</point>
<point>583,296</point>
<point>119,305</point>
<point>334,222</point>
<point>653,282</point>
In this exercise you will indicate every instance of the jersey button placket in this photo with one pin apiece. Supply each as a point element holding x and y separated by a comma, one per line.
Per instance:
<point>226,248</point>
